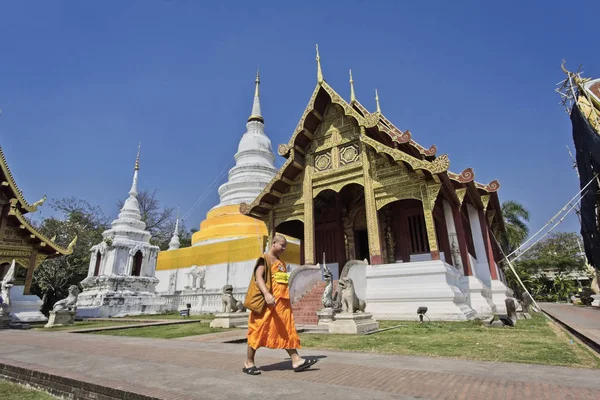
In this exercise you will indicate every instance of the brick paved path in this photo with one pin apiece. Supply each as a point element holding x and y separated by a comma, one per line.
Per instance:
<point>585,320</point>
<point>178,369</point>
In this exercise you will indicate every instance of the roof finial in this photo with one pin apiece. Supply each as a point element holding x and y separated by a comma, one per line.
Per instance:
<point>137,158</point>
<point>174,243</point>
<point>352,96</point>
<point>257,81</point>
<point>133,190</point>
<point>377,101</point>
<point>319,72</point>
<point>256,114</point>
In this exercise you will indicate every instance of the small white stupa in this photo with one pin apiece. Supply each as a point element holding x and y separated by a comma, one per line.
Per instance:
<point>121,277</point>
<point>174,244</point>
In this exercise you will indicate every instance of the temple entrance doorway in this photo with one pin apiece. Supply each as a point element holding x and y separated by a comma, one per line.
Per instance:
<point>362,244</point>
<point>341,226</point>
<point>329,239</point>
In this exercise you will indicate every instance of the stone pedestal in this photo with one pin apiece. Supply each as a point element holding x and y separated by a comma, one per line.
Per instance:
<point>229,320</point>
<point>359,323</point>
<point>119,296</point>
<point>596,301</point>
<point>325,316</point>
<point>5,321</point>
<point>61,318</point>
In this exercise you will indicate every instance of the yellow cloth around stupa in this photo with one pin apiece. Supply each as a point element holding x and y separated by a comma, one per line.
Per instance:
<point>225,236</point>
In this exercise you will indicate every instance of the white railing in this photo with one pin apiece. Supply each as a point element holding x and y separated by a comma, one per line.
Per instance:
<point>201,300</point>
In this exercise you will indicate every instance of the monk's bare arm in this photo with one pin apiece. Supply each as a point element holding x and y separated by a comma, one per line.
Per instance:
<point>262,286</point>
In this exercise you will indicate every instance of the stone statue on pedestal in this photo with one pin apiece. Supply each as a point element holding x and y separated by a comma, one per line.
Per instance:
<point>350,302</point>
<point>229,303</point>
<point>70,303</point>
<point>63,312</point>
<point>327,299</point>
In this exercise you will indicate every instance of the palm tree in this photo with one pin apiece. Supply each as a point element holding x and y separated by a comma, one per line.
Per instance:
<point>515,218</point>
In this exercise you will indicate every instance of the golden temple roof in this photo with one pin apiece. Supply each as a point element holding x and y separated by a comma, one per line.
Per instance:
<point>383,137</point>
<point>35,234</point>
<point>19,206</point>
<point>9,182</point>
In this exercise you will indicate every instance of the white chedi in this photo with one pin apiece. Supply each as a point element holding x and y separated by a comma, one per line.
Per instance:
<point>254,161</point>
<point>121,277</point>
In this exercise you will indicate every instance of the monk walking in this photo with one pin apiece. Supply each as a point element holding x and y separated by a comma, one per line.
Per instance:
<point>273,327</point>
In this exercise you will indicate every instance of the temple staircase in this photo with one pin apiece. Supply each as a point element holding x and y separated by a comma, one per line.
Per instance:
<point>305,309</point>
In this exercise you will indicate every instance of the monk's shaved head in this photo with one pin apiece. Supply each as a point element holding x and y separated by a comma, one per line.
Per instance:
<point>279,239</point>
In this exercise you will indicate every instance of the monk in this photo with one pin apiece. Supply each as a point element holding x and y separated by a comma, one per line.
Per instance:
<point>274,327</point>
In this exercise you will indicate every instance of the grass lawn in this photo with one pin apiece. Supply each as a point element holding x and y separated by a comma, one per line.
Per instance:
<point>534,341</point>
<point>166,331</point>
<point>13,391</point>
<point>173,315</point>
<point>83,325</point>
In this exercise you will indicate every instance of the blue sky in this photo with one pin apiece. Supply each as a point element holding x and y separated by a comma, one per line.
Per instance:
<point>81,83</point>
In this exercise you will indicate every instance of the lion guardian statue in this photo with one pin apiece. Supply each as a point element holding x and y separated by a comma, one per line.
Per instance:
<point>350,302</point>
<point>229,303</point>
<point>70,303</point>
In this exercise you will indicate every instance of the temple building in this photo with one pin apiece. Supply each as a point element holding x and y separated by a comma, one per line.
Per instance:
<point>121,279</point>
<point>224,250</point>
<point>21,242</point>
<point>355,187</point>
<point>581,98</point>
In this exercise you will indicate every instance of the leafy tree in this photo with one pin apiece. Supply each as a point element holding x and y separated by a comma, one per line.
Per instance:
<point>516,217</point>
<point>562,287</point>
<point>52,278</point>
<point>559,252</point>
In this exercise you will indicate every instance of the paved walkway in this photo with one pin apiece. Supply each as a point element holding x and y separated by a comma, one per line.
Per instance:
<point>584,320</point>
<point>185,369</point>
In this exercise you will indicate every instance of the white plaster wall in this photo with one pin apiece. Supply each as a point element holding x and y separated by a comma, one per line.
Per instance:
<point>303,281</point>
<point>107,263</point>
<point>424,257</point>
<point>473,262</point>
<point>358,274</point>
<point>453,237</point>
<point>395,291</point>
<point>483,268</point>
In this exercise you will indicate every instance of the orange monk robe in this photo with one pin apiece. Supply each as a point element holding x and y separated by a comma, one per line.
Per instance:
<point>274,328</point>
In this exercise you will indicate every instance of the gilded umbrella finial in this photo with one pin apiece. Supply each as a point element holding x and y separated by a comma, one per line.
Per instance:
<point>352,95</point>
<point>257,81</point>
<point>137,158</point>
<point>319,72</point>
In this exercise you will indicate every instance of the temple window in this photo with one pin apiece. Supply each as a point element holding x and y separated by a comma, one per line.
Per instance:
<point>137,264</point>
<point>97,267</point>
<point>418,234</point>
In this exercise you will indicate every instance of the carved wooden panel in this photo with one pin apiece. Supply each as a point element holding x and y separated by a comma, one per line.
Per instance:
<point>323,161</point>
<point>349,154</point>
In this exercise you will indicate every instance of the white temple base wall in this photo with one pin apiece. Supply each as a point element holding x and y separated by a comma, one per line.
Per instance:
<point>119,296</point>
<point>500,292</point>
<point>121,305</point>
<point>395,291</point>
<point>25,308</point>
<point>479,296</point>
